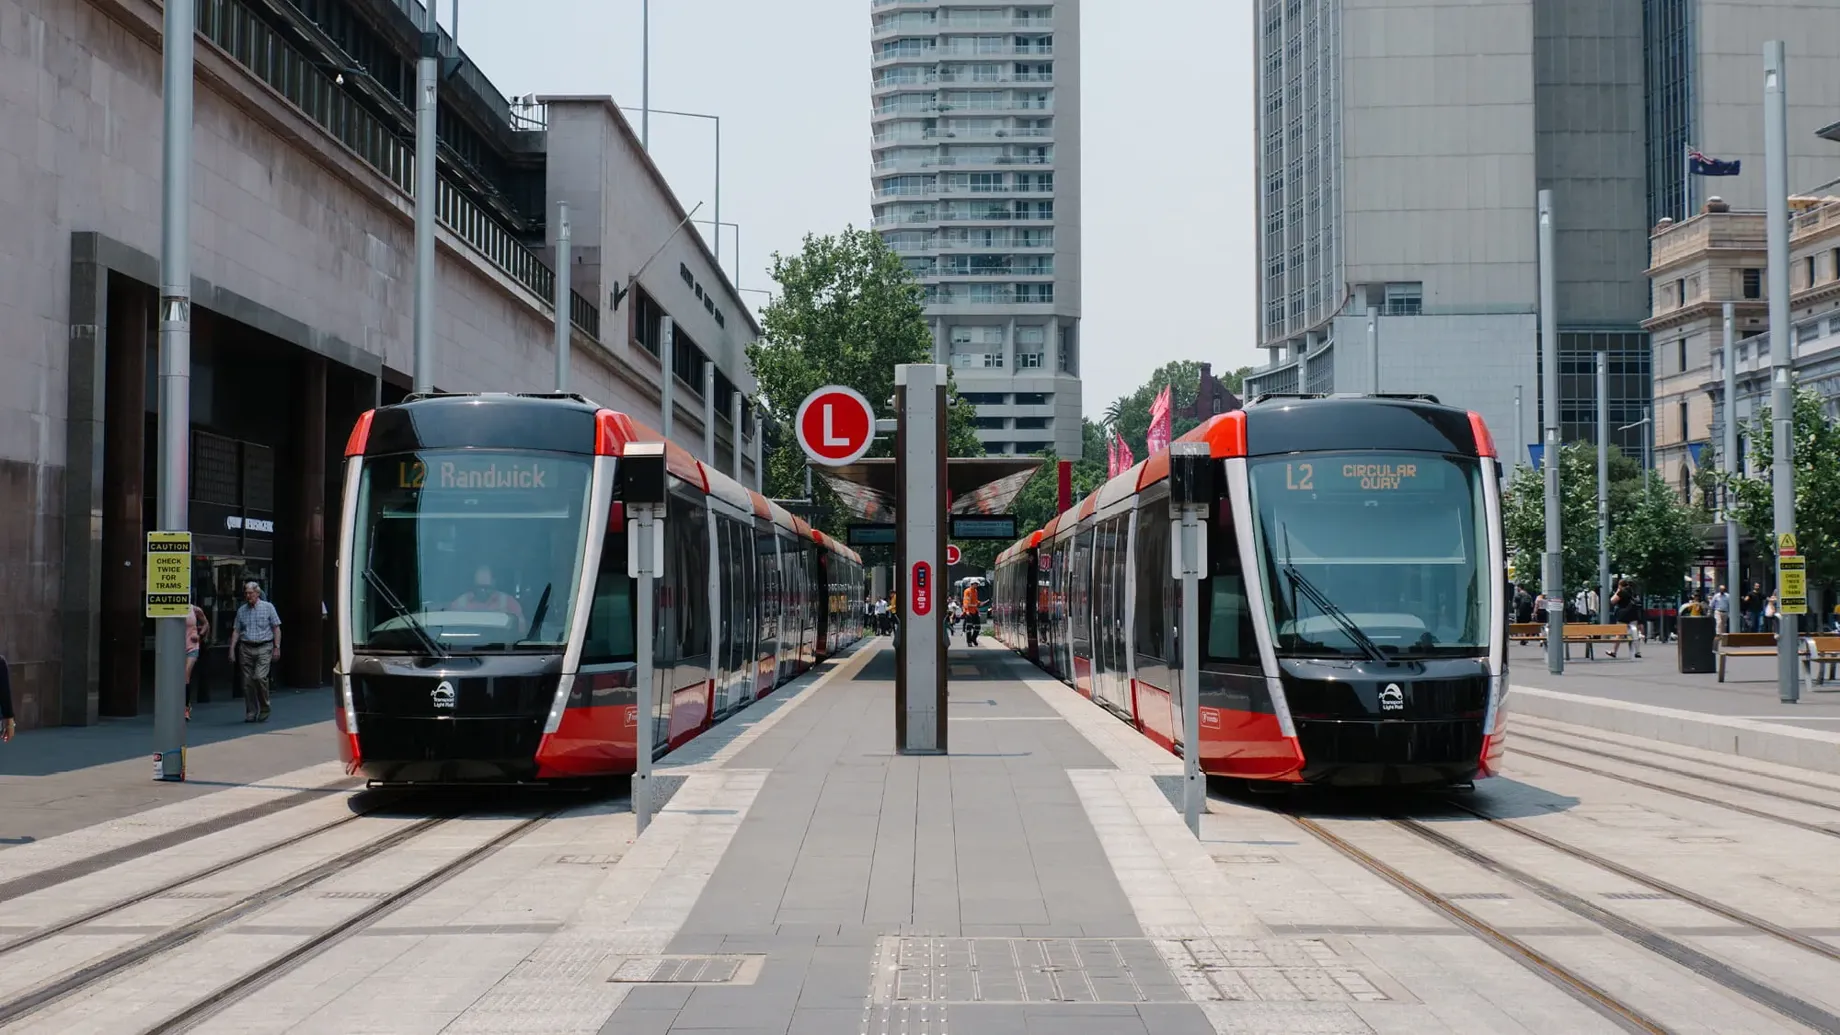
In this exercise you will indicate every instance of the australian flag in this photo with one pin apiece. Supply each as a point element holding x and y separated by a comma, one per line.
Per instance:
<point>1700,165</point>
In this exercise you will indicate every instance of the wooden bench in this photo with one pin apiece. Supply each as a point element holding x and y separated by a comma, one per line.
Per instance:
<point>1819,656</point>
<point>1592,635</point>
<point>1745,645</point>
<point>1527,632</point>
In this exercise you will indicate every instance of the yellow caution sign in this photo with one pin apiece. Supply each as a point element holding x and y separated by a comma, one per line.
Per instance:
<point>1786,541</point>
<point>1791,584</point>
<point>169,574</point>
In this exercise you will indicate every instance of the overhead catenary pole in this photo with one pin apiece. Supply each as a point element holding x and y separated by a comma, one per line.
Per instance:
<point>1782,388</point>
<point>1603,481</point>
<point>709,412</point>
<point>1552,579</point>
<point>1520,426</point>
<point>175,321</point>
<point>1373,345</point>
<point>1729,447</point>
<point>645,75</point>
<point>667,375</point>
<point>734,432</point>
<point>427,76</point>
<point>564,266</point>
<point>760,472</point>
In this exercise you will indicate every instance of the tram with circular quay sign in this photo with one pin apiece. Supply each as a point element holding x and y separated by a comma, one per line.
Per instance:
<point>486,613</point>
<point>1353,623</point>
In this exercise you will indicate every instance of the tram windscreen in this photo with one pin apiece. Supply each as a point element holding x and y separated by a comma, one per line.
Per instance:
<point>467,551</point>
<point>1397,543</point>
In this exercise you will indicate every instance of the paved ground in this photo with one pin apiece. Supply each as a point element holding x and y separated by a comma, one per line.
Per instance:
<point>1749,690</point>
<point>803,880</point>
<point>65,777</point>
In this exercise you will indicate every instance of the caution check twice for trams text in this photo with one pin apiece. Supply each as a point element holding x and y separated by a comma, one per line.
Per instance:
<point>169,574</point>
<point>1791,584</point>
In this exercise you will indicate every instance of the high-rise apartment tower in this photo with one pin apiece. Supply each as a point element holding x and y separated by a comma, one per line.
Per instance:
<point>976,179</point>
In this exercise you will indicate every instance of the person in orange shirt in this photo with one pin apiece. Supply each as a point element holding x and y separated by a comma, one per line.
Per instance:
<point>969,604</point>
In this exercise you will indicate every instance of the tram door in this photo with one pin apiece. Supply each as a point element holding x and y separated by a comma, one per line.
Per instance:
<point>1081,577</point>
<point>1110,683</point>
<point>735,662</point>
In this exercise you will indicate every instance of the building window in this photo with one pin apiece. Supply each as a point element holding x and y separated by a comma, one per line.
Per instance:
<point>1680,292</point>
<point>1028,360</point>
<point>985,398</point>
<point>1808,272</point>
<point>1405,299</point>
<point>1685,435</point>
<point>992,423</point>
<point>1681,345</point>
<point>1032,398</point>
<point>1032,423</point>
<point>1753,283</point>
<point>1835,263</point>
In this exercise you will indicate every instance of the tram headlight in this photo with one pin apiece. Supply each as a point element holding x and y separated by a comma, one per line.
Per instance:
<point>1498,699</point>
<point>564,685</point>
<point>346,702</point>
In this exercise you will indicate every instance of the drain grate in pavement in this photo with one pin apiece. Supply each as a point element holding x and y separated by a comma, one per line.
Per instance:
<point>736,969</point>
<point>356,894</point>
<point>587,860</point>
<point>1114,970</point>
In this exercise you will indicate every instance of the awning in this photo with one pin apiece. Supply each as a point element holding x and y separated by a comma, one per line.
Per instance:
<point>978,485</point>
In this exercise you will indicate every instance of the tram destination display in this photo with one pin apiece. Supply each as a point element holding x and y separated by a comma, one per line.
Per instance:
<point>1376,476</point>
<point>983,526</point>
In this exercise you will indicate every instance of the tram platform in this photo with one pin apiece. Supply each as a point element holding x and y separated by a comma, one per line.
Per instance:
<point>1649,697</point>
<point>803,879</point>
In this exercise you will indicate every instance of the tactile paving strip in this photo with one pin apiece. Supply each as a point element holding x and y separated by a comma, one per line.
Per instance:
<point>740,969</point>
<point>1114,970</point>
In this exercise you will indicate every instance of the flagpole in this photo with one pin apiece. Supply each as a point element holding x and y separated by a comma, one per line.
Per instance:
<point>1686,183</point>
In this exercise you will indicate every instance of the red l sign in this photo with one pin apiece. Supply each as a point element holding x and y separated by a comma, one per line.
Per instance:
<point>835,425</point>
<point>953,555</point>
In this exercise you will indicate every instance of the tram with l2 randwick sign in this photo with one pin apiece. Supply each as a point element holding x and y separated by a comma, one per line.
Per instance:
<point>486,613</point>
<point>1353,625</point>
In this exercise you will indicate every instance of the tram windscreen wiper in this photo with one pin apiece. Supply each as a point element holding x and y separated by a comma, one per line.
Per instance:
<point>402,612</point>
<point>1328,607</point>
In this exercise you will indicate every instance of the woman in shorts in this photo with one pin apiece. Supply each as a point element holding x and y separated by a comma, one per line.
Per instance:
<point>197,627</point>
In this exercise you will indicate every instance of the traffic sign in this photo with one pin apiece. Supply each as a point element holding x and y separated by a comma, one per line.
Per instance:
<point>1791,585</point>
<point>835,425</point>
<point>1786,541</point>
<point>169,574</point>
<point>953,555</point>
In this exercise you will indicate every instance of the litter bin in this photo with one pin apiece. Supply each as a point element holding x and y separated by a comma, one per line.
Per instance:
<point>1696,646</point>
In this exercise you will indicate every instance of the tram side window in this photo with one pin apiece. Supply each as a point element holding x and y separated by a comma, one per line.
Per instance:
<point>610,612</point>
<point>1152,578</point>
<point>690,586</point>
<point>1230,636</point>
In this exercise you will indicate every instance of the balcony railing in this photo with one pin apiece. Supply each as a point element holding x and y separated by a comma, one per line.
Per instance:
<point>985,134</point>
<point>887,82</point>
<point>990,215</point>
<point>249,41</point>
<point>954,160</point>
<point>990,271</point>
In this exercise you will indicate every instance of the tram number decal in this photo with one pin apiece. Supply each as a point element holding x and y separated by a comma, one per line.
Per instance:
<point>1300,477</point>
<point>410,474</point>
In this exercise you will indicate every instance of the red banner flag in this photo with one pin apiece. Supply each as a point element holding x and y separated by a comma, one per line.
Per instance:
<point>1126,460</point>
<point>1111,456</point>
<point>1159,421</point>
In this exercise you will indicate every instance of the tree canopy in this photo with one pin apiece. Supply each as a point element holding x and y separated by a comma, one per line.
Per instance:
<point>1653,536</point>
<point>1817,486</point>
<point>847,313</point>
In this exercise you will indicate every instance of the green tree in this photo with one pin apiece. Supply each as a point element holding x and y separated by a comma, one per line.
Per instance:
<point>847,313</point>
<point>1524,512</point>
<point>1654,538</point>
<point>1817,486</point>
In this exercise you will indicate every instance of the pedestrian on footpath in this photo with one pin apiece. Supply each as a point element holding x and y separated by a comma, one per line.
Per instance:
<point>197,627</point>
<point>1721,612</point>
<point>255,643</point>
<point>8,725</point>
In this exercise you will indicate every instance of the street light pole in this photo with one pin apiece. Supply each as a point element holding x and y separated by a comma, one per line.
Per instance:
<point>1373,344</point>
<point>645,75</point>
<point>427,74</point>
<point>736,227</point>
<point>1782,376</point>
<point>1553,579</point>
<point>1733,578</point>
<point>176,44</point>
<point>1603,480</point>
<point>564,269</point>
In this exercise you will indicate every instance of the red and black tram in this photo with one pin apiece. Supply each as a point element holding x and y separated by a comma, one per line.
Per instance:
<point>486,619</point>
<point>1353,624</point>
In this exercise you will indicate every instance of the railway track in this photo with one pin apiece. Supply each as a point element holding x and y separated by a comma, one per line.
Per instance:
<point>1729,762</point>
<point>99,971</point>
<point>1707,967</point>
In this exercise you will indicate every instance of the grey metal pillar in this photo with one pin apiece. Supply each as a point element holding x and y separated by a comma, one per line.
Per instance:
<point>1553,577</point>
<point>1782,376</point>
<point>178,32</point>
<point>645,75</point>
<point>734,431</point>
<point>427,75</point>
<point>1520,427</point>
<point>564,268</point>
<point>718,233</point>
<point>667,375</point>
<point>1603,481</point>
<point>645,561</point>
<point>920,543</point>
<point>760,470</point>
<point>709,412</point>
<point>1729,446</point>
<point>1373,345</point>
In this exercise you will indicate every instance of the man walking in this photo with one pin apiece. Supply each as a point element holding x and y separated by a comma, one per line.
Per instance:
<point>1721,612</point>
<point>255,643</point>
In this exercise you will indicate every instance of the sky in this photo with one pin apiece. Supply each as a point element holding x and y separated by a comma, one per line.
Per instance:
<point>1166,141</point>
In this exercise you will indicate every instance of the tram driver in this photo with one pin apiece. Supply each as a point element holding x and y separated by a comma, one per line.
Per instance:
<point>486,597</point>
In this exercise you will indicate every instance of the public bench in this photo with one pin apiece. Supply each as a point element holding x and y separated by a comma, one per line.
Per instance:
<point>1744,645</point>
<point>1819,656</point>
<point>1527,632</point>
<point>1592,635</point>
